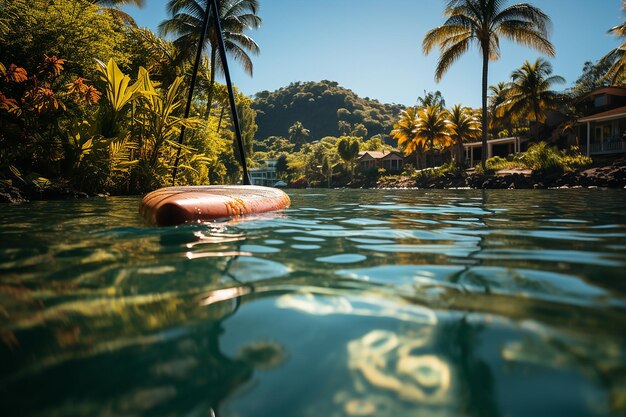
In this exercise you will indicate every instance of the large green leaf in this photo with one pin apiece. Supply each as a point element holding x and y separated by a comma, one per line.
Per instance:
<point>119,92</point>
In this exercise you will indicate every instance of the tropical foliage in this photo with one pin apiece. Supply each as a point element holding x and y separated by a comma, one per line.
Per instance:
<point>616,58</point>
<point>237,16</point>
<point>498,120</point>
<point>325,108</point>
<point>348,149</point>
<point>74,30</point>
<point>541,157</point>
<point>529,95</point>
<point>298,134</point>
<point>483,23</point>
<point>433,127</point>
<point>464,126</point>
<point>90,101</point>
<point>423,129</point>
<point>404,132</point>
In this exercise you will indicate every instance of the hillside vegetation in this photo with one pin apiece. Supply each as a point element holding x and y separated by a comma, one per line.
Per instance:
<point>325,108</point>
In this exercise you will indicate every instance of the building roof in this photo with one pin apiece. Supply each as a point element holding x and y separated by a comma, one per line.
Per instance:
<point>611,90</point>
<point>378,155</point>
<point>373,154</point>
<point>498,141</point>
<point>393,153</point>
<point>617,113</point>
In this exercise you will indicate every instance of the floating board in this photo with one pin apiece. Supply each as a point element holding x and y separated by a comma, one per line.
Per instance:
<point>177,205</point>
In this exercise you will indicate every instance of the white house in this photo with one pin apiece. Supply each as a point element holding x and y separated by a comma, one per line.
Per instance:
<point>391,161</point>
<point>264,175</point>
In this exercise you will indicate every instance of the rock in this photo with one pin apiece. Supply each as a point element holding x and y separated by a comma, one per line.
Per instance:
<point>11,195</point>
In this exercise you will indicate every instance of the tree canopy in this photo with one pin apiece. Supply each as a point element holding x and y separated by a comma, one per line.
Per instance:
<point>325,108</point>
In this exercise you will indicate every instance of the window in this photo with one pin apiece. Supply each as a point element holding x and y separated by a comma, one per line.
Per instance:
<point>601,100</point>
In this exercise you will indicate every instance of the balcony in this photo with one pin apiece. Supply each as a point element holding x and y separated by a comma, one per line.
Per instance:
<point>605,147</point>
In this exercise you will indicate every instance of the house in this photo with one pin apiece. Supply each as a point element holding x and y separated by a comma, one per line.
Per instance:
<point>391,161</point>
<point>264,175</point>
<point>495,147</point>
<point>601,129</point>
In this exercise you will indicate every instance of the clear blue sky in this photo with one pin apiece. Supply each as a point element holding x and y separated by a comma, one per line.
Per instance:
<point>374,46</point>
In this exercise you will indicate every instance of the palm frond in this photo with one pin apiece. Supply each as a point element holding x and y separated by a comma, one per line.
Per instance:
<point>449,56</point>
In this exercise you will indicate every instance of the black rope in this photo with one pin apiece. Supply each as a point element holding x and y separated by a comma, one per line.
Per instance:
<point>231,94</point>
<point>194,74</point>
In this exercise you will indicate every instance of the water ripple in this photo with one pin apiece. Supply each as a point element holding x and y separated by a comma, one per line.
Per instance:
<point>352,302</point>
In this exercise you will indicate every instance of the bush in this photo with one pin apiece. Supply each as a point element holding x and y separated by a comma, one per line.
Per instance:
<point>575,159</point>
<point>409,170</point>
<point>438,172</point>
<point>540,157</point>
<point>497,163</point>
<point>299,183</point>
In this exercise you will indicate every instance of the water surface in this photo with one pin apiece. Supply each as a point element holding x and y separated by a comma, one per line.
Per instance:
<point>351,303</point>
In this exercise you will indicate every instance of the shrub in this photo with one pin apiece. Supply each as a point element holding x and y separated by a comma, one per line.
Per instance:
<point>438,172</point>
<point>497,163</point>
<point>299,183</point>
<point>409,170</point>
<point>575,159</point>
<point>540,157</point>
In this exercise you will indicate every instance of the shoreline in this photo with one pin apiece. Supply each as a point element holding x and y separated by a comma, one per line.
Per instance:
<point>606,177</point>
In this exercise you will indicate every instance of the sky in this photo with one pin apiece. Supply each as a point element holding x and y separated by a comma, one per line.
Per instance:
<point>374,47</point>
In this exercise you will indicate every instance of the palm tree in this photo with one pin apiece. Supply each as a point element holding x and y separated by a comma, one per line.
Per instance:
<point>617,56</point>
<point>236,17</point>
<point>498,95</point>
<point>463,126</point>
<point>483,22</point>
<point>298,134</point>
<point>433,127</point>
<point>348,150</point>
<point>529,94</point>
<point>404,132</point>
<point>111,7</point>
<point>162,56</point>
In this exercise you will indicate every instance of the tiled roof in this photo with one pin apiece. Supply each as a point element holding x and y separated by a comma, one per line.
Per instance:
<point>610,114</point>
<point>376,154</point>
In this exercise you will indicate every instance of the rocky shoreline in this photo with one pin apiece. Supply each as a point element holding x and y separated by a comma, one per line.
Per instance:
<point>610,176</point>
<point>15,195</point>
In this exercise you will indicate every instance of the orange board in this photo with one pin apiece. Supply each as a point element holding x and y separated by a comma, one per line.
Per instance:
<point>177,205</point>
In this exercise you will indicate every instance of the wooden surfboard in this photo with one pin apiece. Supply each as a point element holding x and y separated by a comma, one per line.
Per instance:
<point>177,205</point>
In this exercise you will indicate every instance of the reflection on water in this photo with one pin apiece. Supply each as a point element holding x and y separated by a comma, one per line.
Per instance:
<point>351,303</point>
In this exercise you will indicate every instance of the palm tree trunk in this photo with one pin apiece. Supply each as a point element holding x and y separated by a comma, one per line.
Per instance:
<point>219,123</point>
<point>209,99</point>
<point>485,121</point>
<point>459,154</point>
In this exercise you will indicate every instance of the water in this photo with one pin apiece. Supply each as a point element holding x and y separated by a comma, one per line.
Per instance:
<point>352,303</point>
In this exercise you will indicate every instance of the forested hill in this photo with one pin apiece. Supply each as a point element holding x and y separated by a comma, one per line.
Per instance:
<point>325,108</point>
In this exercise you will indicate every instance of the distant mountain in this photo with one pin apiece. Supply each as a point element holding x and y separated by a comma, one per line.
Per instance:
<point>325,108</point>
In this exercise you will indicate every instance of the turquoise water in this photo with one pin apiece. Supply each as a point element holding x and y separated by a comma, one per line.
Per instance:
<point>351,303</point>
